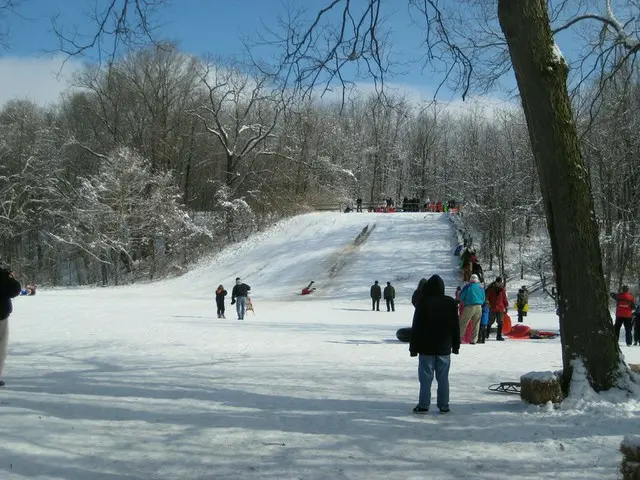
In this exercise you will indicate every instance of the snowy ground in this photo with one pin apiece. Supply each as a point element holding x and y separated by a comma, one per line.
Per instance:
<point>145,383</point>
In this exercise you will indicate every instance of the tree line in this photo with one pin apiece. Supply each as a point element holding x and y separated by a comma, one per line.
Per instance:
<point>152,161</point>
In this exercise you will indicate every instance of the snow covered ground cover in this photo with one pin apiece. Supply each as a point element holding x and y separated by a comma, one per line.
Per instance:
<point>144,382</point>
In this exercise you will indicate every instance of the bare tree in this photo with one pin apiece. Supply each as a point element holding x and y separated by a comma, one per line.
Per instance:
<point>242,112</point>
<point>325,45</point>
<point>114,25</point>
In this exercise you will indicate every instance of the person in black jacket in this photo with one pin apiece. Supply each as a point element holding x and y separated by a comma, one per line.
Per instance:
<point>9,288</point>
<point>220,294</point>
<point>435,334</point>
<point>239,297</point>
<point>376,295</point>
<point>389,295</point>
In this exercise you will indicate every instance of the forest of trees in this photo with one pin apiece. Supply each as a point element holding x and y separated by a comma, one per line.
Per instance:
<point>149,163</point>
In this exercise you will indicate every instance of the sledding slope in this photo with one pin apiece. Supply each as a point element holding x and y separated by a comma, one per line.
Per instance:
<point>279,262</point>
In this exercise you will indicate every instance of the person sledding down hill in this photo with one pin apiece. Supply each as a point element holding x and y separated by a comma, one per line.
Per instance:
<point>308,289</point>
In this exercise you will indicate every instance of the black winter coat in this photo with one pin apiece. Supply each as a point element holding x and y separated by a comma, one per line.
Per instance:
<point>435,329</point>
<point>376,292</point>
<point>9,288</point>
<point>389,292</point>
<point>241,290</point>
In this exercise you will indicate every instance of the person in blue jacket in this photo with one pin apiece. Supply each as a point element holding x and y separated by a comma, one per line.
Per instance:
<point>484,323</point>
<point>472,297</point>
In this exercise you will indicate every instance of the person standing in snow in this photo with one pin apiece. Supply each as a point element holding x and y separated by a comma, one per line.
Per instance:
<point>9,288</point>
<point>625,303</point>
<point>484,323</point>
<point>522,303</point>
<point>473,297</point>
<point>239,297</point>
<point>498,305</point>
<point>376,295</point>
<point>359,204</point>
<point>435,335</point>
<point>389,295</point>
<point>220,294</point>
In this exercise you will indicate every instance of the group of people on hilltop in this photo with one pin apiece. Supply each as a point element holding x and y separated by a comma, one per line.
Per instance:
<point>239,296</point>
<point>377,293</point>
<point>408,205</point>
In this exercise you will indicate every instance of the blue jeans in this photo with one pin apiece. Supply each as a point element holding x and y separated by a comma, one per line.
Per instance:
<point>241,306</point>
<point>428,365</point>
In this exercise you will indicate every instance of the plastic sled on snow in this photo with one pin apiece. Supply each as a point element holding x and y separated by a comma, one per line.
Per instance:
<point>404,334</point>
<point>506,324</point>
<point>519,331</point>
<point>468,333</point>
<point>506,387</point>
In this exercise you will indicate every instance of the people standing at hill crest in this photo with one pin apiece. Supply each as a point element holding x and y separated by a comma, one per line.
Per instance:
<point>625,303</point>
<point>9,288</point>
<point>498,305</point>
<point>376,295</point>
<point>239,297</point>
<point>220,294</point>
<point>389,295</point>
<point>435,335</point>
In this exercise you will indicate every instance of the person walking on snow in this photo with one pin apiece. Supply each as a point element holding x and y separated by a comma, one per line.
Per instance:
<point>376,295</point>
<point>473,297</point>
<point>498,305</point>
<point>9,288</point>
<point>239,297</point>
<point>435,335</point>
<point>220,294</point>
<point>484,323</point>
<point>625,303</point>
<point>389,295</point>
<point>522,303</point>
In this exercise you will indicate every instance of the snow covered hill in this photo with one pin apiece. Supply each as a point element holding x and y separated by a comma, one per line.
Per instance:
<point>325,247</point>
<point>145,383</point>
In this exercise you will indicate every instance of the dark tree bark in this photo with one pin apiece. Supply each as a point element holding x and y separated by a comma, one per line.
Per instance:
<point>585,322</point>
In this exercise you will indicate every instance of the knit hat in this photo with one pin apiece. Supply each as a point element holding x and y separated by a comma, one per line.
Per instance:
<point>474,278</point>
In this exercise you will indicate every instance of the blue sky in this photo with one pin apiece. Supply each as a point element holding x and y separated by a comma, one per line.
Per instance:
<point>198,26</point>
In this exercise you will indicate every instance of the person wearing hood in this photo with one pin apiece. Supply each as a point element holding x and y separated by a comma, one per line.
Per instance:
<point>9,288</point>
<point>473,297</point>
<point>417,293</point>
<point>376,295</point>
<point>239,297</point>
<point>435,334</point>
<point>220,294</point>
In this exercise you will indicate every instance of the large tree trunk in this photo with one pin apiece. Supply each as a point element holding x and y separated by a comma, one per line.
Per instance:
<point>585,322</point>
